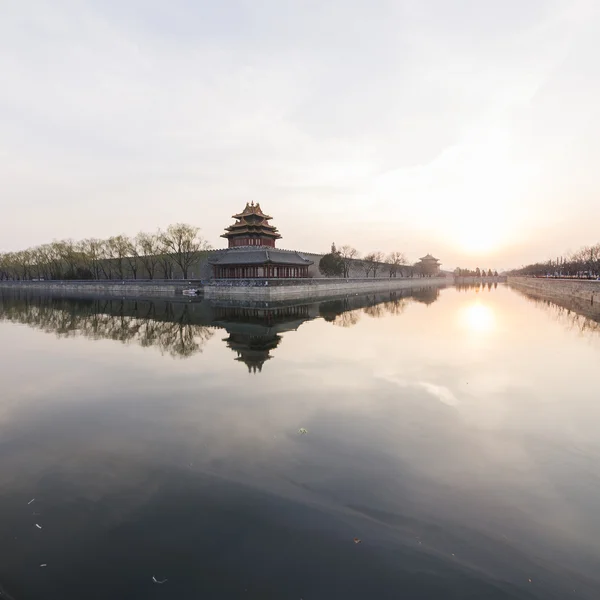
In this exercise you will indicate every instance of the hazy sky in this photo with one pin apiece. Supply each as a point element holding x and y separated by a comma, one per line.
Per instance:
<point>464,128</point>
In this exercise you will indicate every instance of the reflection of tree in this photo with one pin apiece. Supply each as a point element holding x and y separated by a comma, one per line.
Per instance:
<point>347,319</point>
<point>477,286</point>
<point>574,315</point>
<point>346,312</point>
<point>375,309</point>
<point>175,334</point>
<point>396,306</point>
<point>331,309</point>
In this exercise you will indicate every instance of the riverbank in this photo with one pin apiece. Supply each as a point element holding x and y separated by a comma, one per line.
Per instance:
<point>238,289</point>
<point>312,288</point>
<point>132,288</point>
<point>559,289</point>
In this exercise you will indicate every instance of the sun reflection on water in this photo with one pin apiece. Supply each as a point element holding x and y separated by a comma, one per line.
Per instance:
<point>479,318</point>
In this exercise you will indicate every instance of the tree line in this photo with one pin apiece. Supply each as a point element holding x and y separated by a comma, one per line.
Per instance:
<point>146,255</point>
<point>339,261</point>
<point>475,272</point>
<point>583,264</point>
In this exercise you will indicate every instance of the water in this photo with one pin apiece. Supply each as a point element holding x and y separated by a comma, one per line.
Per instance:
<point>454,432</point>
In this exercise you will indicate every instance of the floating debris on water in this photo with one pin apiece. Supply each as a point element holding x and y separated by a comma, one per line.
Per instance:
<point>158,580</point>
<point>32,500</point>
<point>302,431</point>
<point>38,526</point>
<point>44,565</point>
<point>357,541</point>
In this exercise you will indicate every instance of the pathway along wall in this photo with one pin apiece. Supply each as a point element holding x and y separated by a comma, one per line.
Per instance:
<point>561,289</point>
<point>238,289</point>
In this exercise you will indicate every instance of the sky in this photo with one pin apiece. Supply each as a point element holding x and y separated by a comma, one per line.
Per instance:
<point>466,129</point>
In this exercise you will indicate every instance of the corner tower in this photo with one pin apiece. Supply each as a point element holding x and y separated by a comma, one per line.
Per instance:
<point>251,228</point>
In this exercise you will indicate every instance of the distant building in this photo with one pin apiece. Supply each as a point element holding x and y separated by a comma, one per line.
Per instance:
<point>252,254</point>
<point>428,265</point>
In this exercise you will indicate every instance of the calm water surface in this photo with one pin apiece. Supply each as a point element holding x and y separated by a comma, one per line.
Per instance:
<point>454,432</point>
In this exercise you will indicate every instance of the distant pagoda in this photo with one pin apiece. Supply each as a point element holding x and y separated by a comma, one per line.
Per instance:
<point>429,265</point>
<point>251,228</point>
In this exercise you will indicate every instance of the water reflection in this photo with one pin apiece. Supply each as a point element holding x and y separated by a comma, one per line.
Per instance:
<point>574,314</point>
<point>181,329</point>
<point>476,286</point>
<point>468,465</point>
<point>478,317</point>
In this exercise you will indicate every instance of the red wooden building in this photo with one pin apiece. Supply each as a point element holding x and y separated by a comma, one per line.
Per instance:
<point>252,253</point>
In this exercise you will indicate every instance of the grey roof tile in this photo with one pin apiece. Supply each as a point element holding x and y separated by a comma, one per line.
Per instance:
<point>243,256</point>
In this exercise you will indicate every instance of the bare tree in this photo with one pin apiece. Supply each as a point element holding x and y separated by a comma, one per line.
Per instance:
<point>184,244</point>
<point>372,262</point>
<point>69,258</point>
<point>348,254</point>
<point>133,256</point>
<point>22,261</point>
<point>368,263</point>
<point>117,250</point>
<point>91,250</point>
<point>106,262</point>
<point>149,247</point>
<point>396,260</point>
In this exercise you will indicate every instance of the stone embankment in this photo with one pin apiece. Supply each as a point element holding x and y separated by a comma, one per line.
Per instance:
<point>222,289</point>
<point>313,288</point>
<point>140,288</point>
<point>559,289</point>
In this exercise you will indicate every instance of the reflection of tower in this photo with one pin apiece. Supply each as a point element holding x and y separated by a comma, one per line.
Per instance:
<point>253,350</point>
<point>255,331</point>
<point>426,295</point>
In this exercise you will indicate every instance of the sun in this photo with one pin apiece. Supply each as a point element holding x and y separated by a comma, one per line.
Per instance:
<point>478,240</point>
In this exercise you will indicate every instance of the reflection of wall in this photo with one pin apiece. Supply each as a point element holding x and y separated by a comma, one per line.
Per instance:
<point>573,313</point>
<point>181,329</point>
<point>167,327</point>
<point>565,289</point>
<point>346,312</point>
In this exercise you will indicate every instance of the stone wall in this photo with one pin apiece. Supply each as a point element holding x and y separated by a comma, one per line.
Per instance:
<point>239,289</point>
<point>357,268</point>
<point>120,289</point>
<point>561,289</point>
<point>202,269</point>
<point>315,288</point>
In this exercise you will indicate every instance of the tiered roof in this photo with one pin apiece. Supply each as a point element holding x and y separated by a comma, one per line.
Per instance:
<point>245,256</point>
<point>252,220</point>
<point>429,257</point>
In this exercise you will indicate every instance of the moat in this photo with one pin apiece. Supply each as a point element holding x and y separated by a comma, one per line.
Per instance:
<point>420,443</point>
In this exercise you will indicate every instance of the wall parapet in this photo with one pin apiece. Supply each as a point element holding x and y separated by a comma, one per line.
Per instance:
<point>564,289</point>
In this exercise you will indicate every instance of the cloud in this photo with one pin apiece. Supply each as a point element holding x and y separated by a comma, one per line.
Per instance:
<point>382,119</point>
